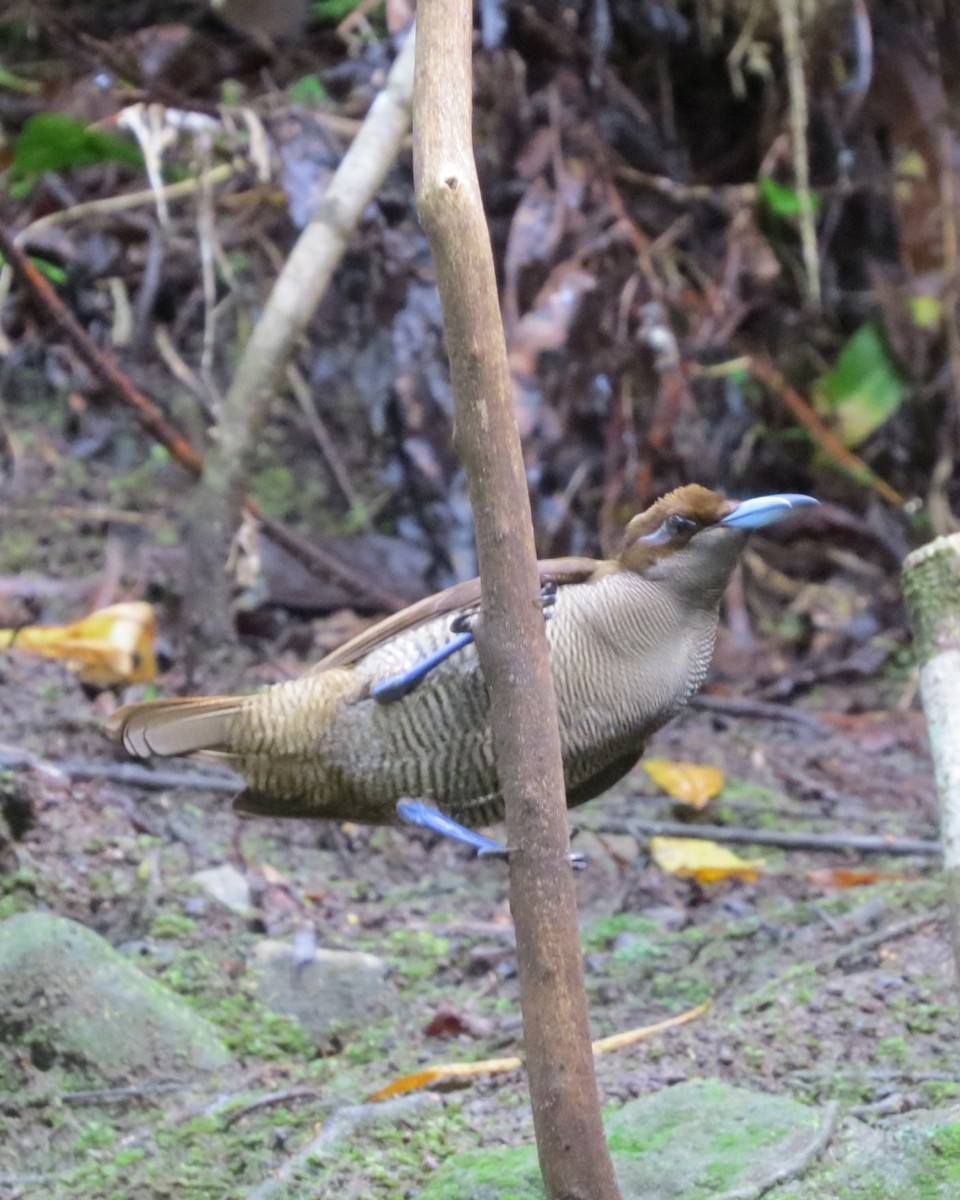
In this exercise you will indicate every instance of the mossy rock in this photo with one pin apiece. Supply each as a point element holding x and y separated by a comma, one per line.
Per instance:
<point>918,1159</point>
<point>70,1000</point>
<point>690,1142</point>
<point>707,1139</point>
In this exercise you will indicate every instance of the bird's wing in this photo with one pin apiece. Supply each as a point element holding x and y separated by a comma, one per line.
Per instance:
<point>460,598</point>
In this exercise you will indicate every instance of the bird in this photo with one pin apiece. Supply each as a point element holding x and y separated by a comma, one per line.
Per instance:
<point>393,726</point>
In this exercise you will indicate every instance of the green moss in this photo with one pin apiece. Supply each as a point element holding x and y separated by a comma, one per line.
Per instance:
<point>275,488</point>
<point>599,933</point>
<point>97,1133</point>
<point>511,1174</point>
<point>18,549</point>
<point>417,953</point>
<point>250,1029</point>
<point>168,924</point>
<point>894,1049</point>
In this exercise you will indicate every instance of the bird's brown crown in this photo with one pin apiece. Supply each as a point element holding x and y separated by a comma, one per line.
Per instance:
<point>696,506</point>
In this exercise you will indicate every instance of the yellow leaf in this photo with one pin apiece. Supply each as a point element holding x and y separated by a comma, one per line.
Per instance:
<point>112,645</point>
<point>495,1066</point>
<point>422,1079</point>
<point>688,782</point>
<point>848,877</point>
<point>701,860</point>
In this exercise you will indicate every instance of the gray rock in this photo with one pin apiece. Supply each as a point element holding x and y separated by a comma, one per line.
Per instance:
<point>333,990</point>
<point>227,886</point>
<point>70,1000</point>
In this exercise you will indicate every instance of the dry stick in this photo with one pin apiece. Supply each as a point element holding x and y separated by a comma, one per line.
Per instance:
<point>511,639</point>
<point>767,373</point>
<point>862,843</point>
<point>314,556</point>
<point>789,12</point>
<point>796,1166</point>
<point>761,710</point>
<point>870,941</point>
<point>931,586</point>
<point>292,302</point>
<point>131,774</point>
<point>109,374</point>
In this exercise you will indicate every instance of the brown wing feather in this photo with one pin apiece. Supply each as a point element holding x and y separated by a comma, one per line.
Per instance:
<point>461,597</point>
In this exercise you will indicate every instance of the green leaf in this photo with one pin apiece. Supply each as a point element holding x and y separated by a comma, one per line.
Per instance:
<point>925,312</point>
<point>308,91</point>
<point>784,201</point>
<point>17,83</point>
<point>333,10</point>
<point>863,390</point>
<point>54,273</point>
<point>55,142</point>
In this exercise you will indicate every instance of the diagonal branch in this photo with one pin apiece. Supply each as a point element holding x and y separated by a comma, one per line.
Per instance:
<point>315,556</point>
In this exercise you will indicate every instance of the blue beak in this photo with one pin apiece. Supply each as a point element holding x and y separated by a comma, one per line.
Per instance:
<point>764,510</point>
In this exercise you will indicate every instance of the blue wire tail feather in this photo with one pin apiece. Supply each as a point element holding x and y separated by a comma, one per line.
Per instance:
<point>398,686</point>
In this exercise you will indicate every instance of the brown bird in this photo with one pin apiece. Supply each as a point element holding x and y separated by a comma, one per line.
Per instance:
<point>400,714</point>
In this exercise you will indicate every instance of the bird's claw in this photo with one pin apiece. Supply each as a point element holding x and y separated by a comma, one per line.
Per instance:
<point>463,623</point>
<point>577,861</point>
<point>548,598</point>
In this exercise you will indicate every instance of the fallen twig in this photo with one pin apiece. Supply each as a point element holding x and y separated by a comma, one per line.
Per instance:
<point>14,1101</point>
<point>863,843</point>
<point>498,1066</point>
<point>871,941</point>
<point>271,1100</point>
<point>802,1161</point>
<point>762,710</point>
<point>131,774</point>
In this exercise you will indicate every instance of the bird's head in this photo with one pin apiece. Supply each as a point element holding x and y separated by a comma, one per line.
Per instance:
<point>691,538</point>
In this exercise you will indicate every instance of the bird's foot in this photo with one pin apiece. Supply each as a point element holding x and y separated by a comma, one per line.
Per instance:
<point>417,812</point>
<point>548,598</point>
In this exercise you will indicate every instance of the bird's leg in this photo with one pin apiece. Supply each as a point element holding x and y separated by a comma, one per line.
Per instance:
<point>386,691</point>
<point>417,812</point>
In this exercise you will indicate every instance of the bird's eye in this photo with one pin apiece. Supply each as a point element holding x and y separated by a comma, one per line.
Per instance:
<point>671,529</point>
<point>677,526</point>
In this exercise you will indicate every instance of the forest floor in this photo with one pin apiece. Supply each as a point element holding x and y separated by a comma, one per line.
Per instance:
<point>817,991</point>
<point>660,318</point>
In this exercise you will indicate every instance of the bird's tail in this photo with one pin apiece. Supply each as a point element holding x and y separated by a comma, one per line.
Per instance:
<point>180,726</point>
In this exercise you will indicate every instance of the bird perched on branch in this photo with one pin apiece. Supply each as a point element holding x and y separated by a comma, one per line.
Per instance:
<point>395,724</point>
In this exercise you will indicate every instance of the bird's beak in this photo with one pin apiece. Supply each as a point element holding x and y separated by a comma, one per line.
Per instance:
<point>764,510</point>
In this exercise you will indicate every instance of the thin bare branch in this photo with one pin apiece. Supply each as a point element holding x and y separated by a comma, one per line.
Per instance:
<point>510,638</point>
